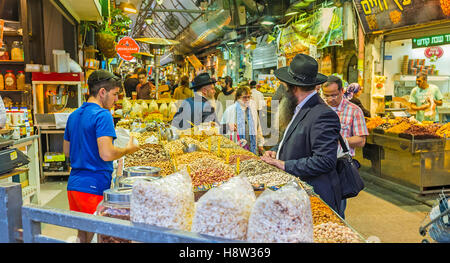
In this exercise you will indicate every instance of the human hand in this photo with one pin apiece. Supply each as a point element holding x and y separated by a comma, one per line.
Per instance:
<point>131,147</point>
<point>272,161</point>
<point>270,154</point>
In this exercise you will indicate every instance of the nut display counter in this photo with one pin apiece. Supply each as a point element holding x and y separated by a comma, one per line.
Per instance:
<point>422,165</point>
<point>218,164</point>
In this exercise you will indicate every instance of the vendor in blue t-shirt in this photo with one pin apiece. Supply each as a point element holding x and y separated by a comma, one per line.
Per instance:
<point>88,141</point>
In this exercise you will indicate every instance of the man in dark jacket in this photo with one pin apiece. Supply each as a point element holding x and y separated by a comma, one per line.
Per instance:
<point>130,83</point>
<point>198,109</point>
<point>309,145</point>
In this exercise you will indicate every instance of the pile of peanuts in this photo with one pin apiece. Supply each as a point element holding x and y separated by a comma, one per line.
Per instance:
<point>334,233</point>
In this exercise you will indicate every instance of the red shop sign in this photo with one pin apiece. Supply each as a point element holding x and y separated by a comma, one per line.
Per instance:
<point>434,52</point>
<point>126,47</point>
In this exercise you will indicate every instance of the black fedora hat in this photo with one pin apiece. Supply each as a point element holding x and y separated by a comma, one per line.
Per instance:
<point>201,80</point>
<point>303,72</point>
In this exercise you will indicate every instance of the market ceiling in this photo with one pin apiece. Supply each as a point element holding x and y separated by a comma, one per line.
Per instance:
<point>202,23</point>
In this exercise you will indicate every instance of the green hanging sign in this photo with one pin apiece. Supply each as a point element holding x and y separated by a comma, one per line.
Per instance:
<point>429,41</point>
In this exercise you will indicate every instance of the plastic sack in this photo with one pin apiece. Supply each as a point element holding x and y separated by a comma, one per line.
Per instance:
<point>172,109</point>
<point>123,137</point>
<point>153,106</point>
<point>166,202</point>
<point>126,105</point>
<point>224,211</point>
<point>282,216</point>
<point>164,110</point>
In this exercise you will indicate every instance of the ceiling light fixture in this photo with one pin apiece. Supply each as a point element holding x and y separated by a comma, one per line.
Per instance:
<point>149,21</point>
<point>128,7</point>
<point>268,21</point>
<point>291,13</point>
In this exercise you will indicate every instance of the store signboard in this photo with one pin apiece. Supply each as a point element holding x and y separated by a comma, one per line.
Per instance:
<point>381,15</point>
<point>126,47</point>
<point>436,40</point>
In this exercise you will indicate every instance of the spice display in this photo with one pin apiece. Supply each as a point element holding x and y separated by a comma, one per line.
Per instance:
<point>166,202</point>
<point>281,216</point>
<point>333,233</point>
<point>203,157</point>
<point>421,132</point>
<point>255,167</point>
<point>224,210</point>
<point>225,143</point>
<point>399,128</point>
<point>148,153</point>
<point>270,179</point>
<point>374,122</point>
<point>321,213</point>
<point>444,131</point>
<point>124,123</point>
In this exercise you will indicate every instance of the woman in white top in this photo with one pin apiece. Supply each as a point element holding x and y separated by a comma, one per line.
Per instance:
<point>243,113</point>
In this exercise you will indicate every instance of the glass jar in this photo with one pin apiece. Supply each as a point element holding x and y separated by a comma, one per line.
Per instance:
<point>10,80</point>
<point>17,51</point>
<point>115,204</point>
<point>20,80</point>
<point>4,55</point>
<point>2,82</point>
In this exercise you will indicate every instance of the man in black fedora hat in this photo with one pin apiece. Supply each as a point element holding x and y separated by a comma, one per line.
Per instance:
<point>198,109</point>
<point>309,144</point>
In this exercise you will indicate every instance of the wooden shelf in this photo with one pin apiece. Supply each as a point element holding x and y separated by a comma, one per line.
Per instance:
<point>11,62</point>
<point>56,173</point>
<point>14,172</point>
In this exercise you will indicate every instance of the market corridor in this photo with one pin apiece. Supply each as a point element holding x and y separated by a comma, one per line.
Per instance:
<point>377,212</point>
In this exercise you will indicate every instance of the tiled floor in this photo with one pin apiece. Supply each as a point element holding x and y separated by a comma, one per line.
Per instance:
<point>376,213</point>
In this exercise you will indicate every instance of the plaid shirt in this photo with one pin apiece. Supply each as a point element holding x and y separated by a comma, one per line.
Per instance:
<point>352,121</point>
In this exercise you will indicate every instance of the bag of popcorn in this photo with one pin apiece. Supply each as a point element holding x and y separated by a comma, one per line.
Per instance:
<point>282,216</point>
<point>165,202</point>
<point>223,211</point>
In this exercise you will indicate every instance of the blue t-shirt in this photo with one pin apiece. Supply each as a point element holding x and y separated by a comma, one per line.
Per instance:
<point>89,174</point>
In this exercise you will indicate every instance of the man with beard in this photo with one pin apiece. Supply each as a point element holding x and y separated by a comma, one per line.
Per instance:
<point>226,97</point>
<point>309,145</point>
<point>198,109</point>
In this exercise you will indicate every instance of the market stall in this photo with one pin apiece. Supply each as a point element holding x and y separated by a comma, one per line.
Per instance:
<point>216,166</point>
<point>416,155</point>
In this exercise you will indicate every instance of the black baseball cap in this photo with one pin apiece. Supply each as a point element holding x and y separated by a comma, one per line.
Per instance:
<point>101,75</point>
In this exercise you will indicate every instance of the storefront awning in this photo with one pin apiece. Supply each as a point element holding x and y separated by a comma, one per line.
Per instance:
<point>83,10</point>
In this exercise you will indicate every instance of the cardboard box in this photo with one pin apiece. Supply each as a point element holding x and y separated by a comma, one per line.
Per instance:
<point>54,157</point>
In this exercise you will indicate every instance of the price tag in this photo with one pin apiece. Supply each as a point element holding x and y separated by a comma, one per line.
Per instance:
<point>13,156</point>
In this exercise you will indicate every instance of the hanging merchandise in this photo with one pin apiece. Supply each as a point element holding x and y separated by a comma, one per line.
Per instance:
<point>328,27</point>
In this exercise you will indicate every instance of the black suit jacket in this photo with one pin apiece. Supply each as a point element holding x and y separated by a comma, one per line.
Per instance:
<point>310,149</point>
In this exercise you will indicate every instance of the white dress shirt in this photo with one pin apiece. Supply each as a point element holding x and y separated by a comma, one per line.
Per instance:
<point>297,110</point>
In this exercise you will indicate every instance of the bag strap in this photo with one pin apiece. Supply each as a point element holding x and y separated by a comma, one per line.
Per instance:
<point>343,145</point>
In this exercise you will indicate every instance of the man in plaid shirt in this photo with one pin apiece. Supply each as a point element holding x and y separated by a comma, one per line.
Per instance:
<point>353,124</point>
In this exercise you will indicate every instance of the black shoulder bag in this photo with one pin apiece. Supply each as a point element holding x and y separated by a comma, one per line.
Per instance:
<point>347,169</point>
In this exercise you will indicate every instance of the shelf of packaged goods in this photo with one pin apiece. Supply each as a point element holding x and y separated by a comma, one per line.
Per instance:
<point>14,172</point>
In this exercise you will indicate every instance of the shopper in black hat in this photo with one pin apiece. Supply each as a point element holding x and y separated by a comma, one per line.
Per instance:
<point>198,109</point>
<point>309,144</point>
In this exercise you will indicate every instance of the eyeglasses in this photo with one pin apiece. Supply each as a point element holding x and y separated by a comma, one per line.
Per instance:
<point>246,97</point>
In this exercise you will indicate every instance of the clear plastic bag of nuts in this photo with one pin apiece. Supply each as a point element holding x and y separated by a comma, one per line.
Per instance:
<point>282,216</point>
<point>224,211</point>
<point>166,202</point>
